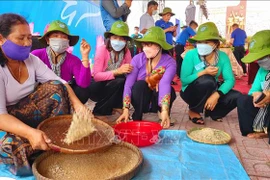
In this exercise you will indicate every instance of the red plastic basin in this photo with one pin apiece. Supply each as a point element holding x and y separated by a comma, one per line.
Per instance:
<point>139,133</point>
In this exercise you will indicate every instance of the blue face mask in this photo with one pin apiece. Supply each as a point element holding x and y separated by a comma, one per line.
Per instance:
<point>265,63</point>
<point>118,45</point>
<point>204,49</point>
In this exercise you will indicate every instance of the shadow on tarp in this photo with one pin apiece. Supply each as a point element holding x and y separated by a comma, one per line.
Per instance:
<point>176,156</point>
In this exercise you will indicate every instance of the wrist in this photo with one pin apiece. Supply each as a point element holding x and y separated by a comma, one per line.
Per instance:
<point>220,93</point>
<point>116,72</point>
<point>165,108</point>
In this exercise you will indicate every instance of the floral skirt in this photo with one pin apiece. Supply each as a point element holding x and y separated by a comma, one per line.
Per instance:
<point>48,100</point>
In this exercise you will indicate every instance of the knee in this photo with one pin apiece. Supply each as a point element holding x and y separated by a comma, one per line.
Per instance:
<point>206,81</point>
<point>54,85</point>
<point>243,100</point>
<point>139,85</point>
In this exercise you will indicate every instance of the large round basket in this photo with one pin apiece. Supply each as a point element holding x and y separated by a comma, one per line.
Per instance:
<point>208,135</point>
<point>121,161</point>
<point>56,128</point>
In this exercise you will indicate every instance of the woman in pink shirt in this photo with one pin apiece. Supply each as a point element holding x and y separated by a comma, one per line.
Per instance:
<point>23,105</point>
<point>112,63</point>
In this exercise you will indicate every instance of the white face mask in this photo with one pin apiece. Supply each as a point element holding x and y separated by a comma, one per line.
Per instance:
<point>118,45</point>
<point>151,52</point>
<point>154,12</point>
<point>265,63</point>
<point>204,49</point>
<point>59,45</point>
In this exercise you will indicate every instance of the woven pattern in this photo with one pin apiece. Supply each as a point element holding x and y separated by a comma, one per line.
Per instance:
<point>57,127</point>
<point>208,136</point>
<point>121,161</point>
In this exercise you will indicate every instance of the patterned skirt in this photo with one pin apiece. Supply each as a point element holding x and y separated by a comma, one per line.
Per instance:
<point>48,100</point>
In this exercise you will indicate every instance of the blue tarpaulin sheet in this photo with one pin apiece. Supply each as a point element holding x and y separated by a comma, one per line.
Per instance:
<point>175,156</point>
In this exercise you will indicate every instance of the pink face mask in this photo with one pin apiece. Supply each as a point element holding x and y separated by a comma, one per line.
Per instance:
<point>151,52</point>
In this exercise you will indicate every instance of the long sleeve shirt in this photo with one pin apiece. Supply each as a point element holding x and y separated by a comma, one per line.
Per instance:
<point>71,67</point>
<point>191,67</point>
<point>259,81</point>
<point>102,59</point>
<point>11,91</point>
<point>166,62</point>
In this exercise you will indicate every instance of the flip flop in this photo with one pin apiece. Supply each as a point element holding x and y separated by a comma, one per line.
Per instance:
<point>196,119</point>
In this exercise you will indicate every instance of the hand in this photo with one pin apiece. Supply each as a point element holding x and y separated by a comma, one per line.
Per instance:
<point>212,102</point>
<point>165,119</point>
<point>128,3</point>
<point>78,106</point>
<point>263,102</point>
<point>85,48</point>
<point>38,140</point>
<point>125,68</point>
<point>124,116</point>
<point>211,70</point>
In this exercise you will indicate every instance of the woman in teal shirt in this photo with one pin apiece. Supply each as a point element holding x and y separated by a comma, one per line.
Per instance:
<point>200,71</point>
<point>253,109</point>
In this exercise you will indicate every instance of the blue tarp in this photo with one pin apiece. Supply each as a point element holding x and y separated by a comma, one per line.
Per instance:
<point>175,156</point>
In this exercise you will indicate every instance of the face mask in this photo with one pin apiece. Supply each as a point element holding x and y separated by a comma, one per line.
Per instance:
<point>151,52</point>
<point>204,49</point>
<point>154,12</point>
<point>16,52</point>
<point>59,45</point>
<point>265,63</point>
<point>118,45</point>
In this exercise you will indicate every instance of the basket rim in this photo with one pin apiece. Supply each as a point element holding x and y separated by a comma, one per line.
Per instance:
<point>128,175</point>
<point>217,143</point>
<point>58,148</point>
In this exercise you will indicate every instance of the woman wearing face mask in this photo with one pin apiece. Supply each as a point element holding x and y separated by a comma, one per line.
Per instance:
<point>64,64</point>
<point>148,86</point>
<point>112,63</point>
<point>199,75</point>
<point>22,106</point>
<point>254,109</point>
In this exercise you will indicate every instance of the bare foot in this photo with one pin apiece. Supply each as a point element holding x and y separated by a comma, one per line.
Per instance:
<point>117,110</point>
<point>193,116</point>
<point>257,135</point>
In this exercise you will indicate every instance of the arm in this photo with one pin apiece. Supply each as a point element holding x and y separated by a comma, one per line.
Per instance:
<point>114,11</point>
<point>81,71</point>
<point>143,25</point>
<point>256,86</point>
<point>232,38</point>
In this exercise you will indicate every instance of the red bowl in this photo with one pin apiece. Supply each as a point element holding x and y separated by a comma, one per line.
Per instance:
<point>139,133</point>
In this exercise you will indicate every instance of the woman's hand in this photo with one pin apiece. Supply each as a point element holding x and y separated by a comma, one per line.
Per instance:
<point>124,117</point>
<point>38,140</point>
<point>212,101</point>
<point>125,69</point>
<point>262,103</point>
<point>165,119</point>
<point>211,70</point>
<point>78,106</point>
<point>85,48</point>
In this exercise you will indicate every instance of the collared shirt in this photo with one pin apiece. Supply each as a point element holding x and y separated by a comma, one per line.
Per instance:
<point>184,36</point>
<point>164,25</point>
<point>239,37</point>
<point>146,21</point>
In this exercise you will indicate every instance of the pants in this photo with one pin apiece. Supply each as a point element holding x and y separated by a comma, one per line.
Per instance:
<point>144,100</point>
<point>81,93</point>
<point>107,94</point>
<point>247,113</point>
<point>49,100</point>
<point>239,53</point>
<point>179,49</point>
<point>197,93</point>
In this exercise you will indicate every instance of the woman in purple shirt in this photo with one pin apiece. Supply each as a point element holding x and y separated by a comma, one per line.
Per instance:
<point>64,64</point>
<point>23,105</point>
<point>148,86</point>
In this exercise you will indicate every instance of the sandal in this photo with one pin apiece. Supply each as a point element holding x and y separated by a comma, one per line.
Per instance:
<point>196,120</point>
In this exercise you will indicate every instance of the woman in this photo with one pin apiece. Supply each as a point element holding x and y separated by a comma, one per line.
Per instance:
<point>201,68</point>
<point>112,63</point>
<point>64,64</point>
<point>148,86</point>
<point>254,109</point>
<point>22,106</point>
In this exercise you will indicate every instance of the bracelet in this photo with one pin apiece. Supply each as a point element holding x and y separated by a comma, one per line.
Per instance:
<point>165,108</point>
<point>220,93</point>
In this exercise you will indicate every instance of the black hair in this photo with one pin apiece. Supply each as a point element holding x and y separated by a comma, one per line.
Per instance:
<point>152,3</point>
<point>136,27</point>
<point>7,21</point>
<point>193,22</point>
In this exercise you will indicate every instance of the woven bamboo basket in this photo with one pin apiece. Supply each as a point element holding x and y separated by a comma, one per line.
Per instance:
<point>56,128</point>
<point>221,136</point>
<point>119,162</point>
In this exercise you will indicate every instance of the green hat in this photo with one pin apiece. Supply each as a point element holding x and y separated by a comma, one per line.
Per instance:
<point>259,46</point>
<point>206,31</point>
<point>118,28</point>
<point>62,27</point>
<point>167,10</point>
<point>155,35</point>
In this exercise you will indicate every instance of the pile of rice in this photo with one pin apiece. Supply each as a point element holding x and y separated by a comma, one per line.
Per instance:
<point>209,135</point>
